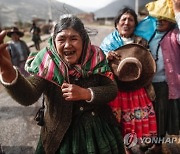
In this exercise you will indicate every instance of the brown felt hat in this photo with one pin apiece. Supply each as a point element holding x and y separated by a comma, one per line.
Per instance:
<point>135,68</point>
<point>15,30</point>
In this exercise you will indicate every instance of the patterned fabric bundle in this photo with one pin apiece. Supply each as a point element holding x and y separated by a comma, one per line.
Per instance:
<point>49,65</point>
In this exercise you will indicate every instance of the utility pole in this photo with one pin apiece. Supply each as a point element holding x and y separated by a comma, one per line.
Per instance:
<point>50,10</point>
<point>137,6</point>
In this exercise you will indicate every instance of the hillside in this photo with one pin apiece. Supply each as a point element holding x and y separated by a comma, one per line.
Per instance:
<point>24,10</point>
<point>111,10</point>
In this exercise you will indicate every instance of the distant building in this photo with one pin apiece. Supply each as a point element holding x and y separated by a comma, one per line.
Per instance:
<point>86,17</point>
<point>107,14</point>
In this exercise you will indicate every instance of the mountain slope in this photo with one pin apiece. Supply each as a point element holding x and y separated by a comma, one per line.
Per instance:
<point>24,10</point>
<point>112,9</point>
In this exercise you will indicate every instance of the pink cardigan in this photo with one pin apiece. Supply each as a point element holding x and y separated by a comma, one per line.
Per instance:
<point>171,52</point>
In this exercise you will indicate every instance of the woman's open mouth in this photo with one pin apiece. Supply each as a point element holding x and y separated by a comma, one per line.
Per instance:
<point>69,53</point>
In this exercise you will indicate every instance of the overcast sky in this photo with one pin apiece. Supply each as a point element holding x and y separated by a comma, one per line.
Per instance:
<point>87,5</point>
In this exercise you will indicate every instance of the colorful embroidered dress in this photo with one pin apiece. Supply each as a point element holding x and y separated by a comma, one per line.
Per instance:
<point>133,109</point>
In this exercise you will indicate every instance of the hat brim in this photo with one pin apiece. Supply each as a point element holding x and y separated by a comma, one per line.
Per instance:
<point>21,34</point>
<point>146,59</point>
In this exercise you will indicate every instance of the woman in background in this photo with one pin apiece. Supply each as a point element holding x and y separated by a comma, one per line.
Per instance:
<point>133,108</point>
<point>162,30</point>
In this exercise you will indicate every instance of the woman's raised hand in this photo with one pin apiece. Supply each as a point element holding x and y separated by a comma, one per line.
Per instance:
<point>6,68</point>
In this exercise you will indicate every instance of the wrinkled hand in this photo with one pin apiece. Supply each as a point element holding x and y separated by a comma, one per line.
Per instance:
<point>6,68</point>
<point>111,55</point>
<point>4,55</point>
<point>72,92</point>
<point>176,6</point>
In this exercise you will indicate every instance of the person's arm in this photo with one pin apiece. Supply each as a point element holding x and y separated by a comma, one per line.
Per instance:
<point>9,83</point>
<point>25,91</point>
<point>105,92</point>
<point>72,92</point>
<point>177,17</point>
<point>7,71</point>
<point>176,7</point>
